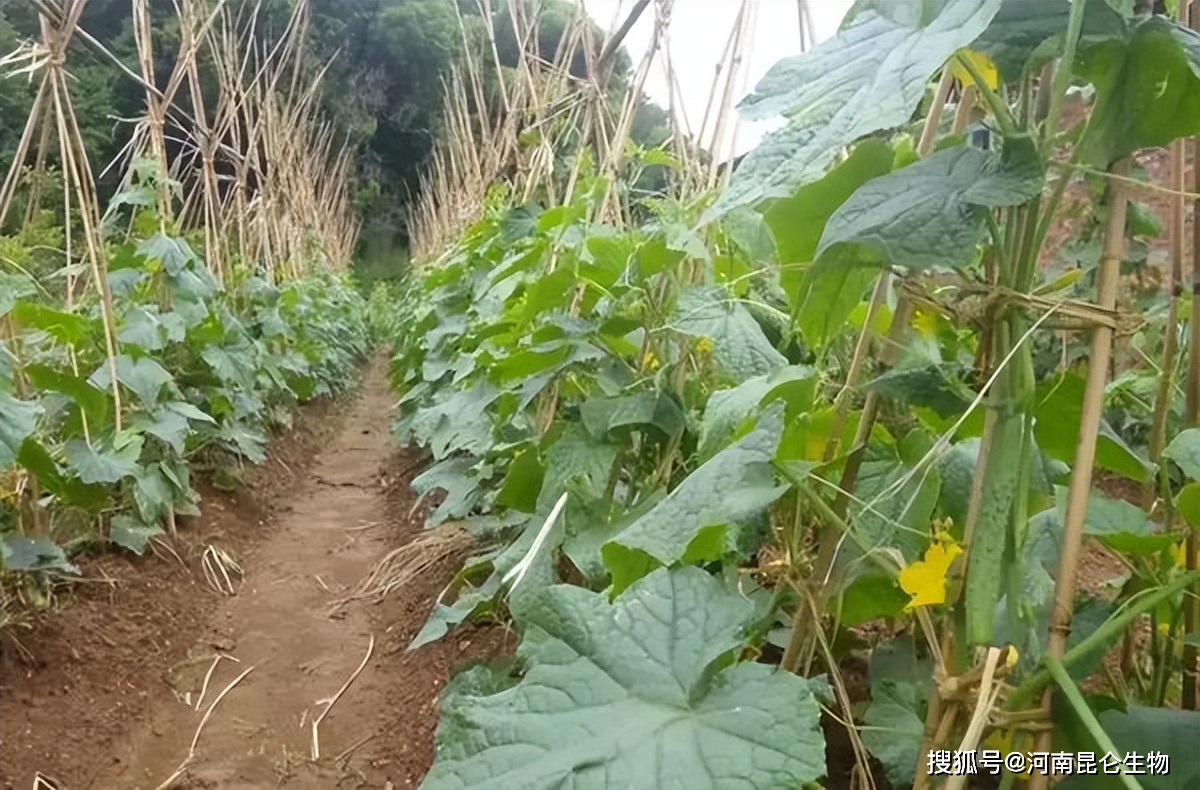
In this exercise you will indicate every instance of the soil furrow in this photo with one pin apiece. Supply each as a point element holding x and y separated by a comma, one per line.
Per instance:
<point>348,507</point>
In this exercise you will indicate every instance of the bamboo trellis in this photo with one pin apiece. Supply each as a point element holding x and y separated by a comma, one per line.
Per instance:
<point>264,175</point>
<point>480,144</point>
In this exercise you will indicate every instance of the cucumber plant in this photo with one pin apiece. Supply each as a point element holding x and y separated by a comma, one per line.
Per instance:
<point>613,407</point>
<point>200,369</point>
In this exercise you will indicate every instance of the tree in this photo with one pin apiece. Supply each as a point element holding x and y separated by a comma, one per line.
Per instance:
<point>556,21</point>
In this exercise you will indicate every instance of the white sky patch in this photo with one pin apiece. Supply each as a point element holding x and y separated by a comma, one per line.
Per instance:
<point>698,36</point>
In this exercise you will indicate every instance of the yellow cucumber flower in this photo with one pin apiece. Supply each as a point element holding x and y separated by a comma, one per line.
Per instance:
<point>925,579</point>
<point>982,63</point>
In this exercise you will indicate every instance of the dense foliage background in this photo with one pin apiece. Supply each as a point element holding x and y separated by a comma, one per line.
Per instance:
<point>383,89</point>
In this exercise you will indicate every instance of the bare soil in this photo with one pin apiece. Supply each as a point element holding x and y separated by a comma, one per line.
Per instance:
<point>110,698</point>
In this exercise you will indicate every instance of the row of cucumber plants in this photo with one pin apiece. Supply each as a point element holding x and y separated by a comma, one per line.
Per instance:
<point>649,432</point>
<point>99,444</point>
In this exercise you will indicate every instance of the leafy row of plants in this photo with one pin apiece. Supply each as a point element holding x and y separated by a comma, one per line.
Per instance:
<point>690,465</point>
<point>102,426</point>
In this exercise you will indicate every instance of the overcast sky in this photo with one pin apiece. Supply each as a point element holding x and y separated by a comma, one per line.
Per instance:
<point>699,32</point>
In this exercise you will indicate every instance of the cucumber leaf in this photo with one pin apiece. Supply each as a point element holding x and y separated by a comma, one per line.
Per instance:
<point>634,693</point>
<point>871,76</point>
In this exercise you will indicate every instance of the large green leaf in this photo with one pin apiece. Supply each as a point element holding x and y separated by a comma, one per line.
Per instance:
<point>747,229</point>
<point>104,464</point>
<point>727,409</point>
<point>522,482</point>
<point>926,214</point>
<point>18,419</point>
<point>167,425</point>
<point>129,533</point>
<point>937,386</point>
<point>1146,88</point>
<point>65,327</point>
<point>894,501</point>
<point>458,479</point>
<point>153,492</point>
<point>892,515</point>
<point>739,344</point>
<point>245,439</point>
<point>577,456</point>
<point>14,287</point>
<point>21,553</point>
<point>822,302</point>
<point>797,222</point>
<point>700,518</point>
<point>871,76</point>
<point>1184,450</point>
<point>873,595</point>
<point>233,362</point>
<point>894,721</point>
<point>143,376</point>
<point>141,328</point>
<point>640,411</point>
<point>174,253</point>
<point>590,523</point>
<point>92,400</point>
<point>828,297</point>
<point>1056,428</point>
<point>1187,504</point>
<point>37,461</point>
<point>458,421</point>
<point>1118,524</point>
<point>633,693</point>
<point>1020,34</point>
<point>1141,731</point>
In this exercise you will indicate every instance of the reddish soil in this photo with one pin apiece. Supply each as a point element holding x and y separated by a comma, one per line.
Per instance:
<point>108,700</point>
<point>1154,165</point>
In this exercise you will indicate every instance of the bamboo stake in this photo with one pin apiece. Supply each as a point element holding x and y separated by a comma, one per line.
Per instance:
<point>53,105</point>
<point>883,284</point>
<point>155,118</point>
<point>1166,381</point>
<point>1085,453</point>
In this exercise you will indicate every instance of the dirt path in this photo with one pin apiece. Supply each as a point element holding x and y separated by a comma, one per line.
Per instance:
<point>342,514</point>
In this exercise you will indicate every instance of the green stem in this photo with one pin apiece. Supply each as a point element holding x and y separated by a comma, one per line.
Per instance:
<point>1062,74</point>
<point>1101,637</point>
<point>1031,247</point>
<point>998,237</point>
<point>1085,714</point>
<point>1015,583</point>
<point>614,476</point>
<point>1166,660</point>
<point>997,105</point>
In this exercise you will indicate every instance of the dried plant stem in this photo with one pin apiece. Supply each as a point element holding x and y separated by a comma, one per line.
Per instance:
<point>830,540</point>
<point>984,704</point>
<point>316,742</point>
<point>861,756</point>
<point>179,772</point>
<point>208,676</point>
<point>1085,453</point>
<point>939,721</point>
